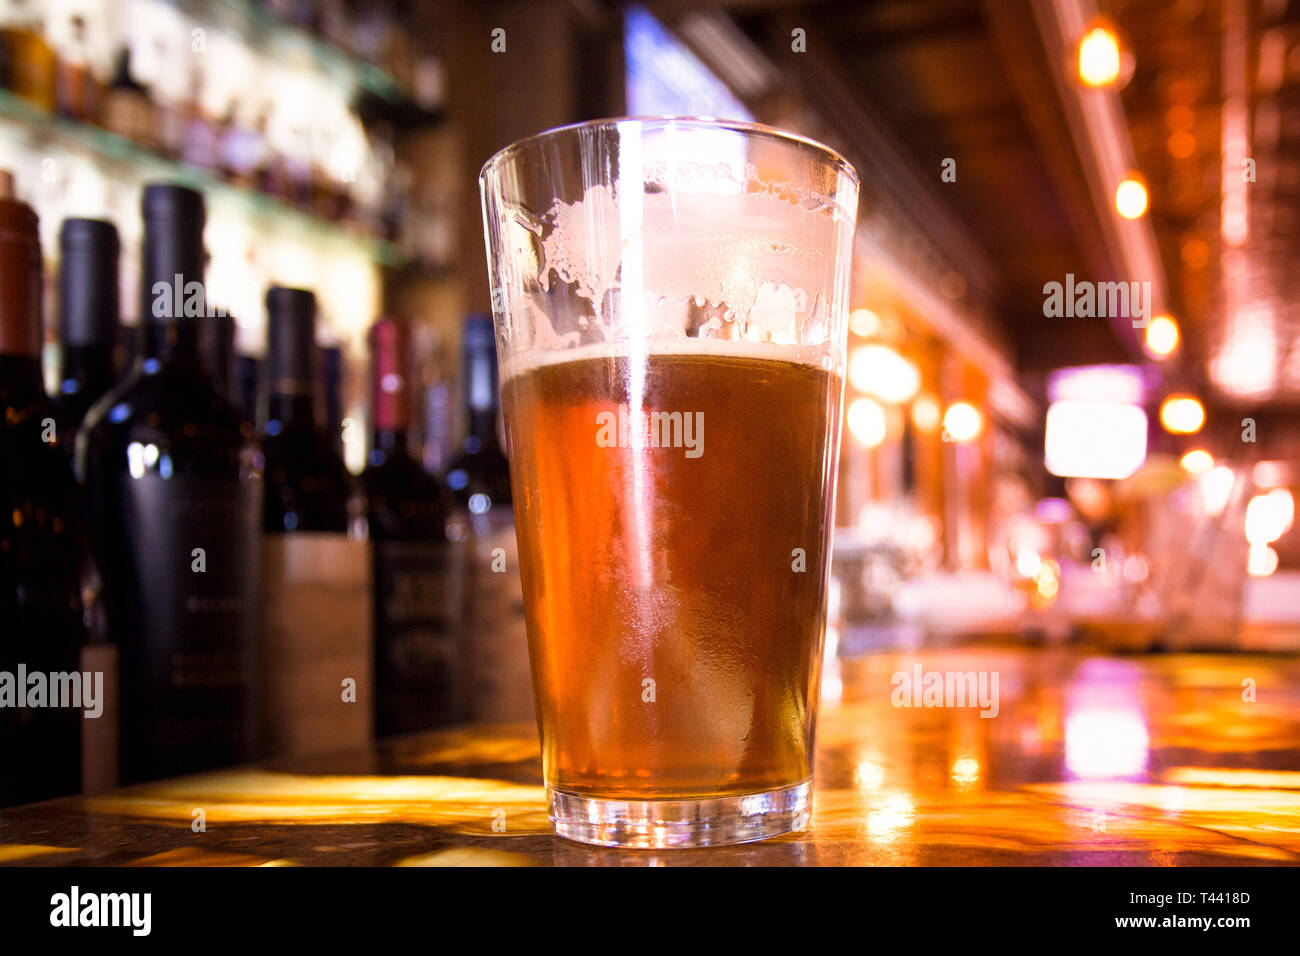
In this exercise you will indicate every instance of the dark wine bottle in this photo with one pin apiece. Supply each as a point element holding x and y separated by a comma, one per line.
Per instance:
<point>419,560</point>
<point>217,355</point>
<point>307,487</point>
<point>316,599</point>
<point>499,686</point>
<point>88,321</point>
<point>331,374</point>
<point>42,550</point>
<point>480,474</point>
<point>248,375</point>
<point>172,476</point>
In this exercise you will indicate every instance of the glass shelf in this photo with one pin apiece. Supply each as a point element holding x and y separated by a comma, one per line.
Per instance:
<point>45,128</point>
<point>262,29</point>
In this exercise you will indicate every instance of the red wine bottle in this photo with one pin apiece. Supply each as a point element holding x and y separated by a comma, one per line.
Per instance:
<point>42,551</point>
<point>419,561</point>
<point>316,598</point>
<point>88,321</point>
<point>307,487</point>
<point>172,476</point>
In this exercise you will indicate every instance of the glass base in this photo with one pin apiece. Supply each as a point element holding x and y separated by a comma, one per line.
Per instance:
<point>658,824</point>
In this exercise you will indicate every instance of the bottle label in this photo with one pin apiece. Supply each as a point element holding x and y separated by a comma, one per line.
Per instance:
<point>187,626</point>
<point>99,757</point>
<point>419,634</point>
<point>316,643</point>
<point>500,682</point>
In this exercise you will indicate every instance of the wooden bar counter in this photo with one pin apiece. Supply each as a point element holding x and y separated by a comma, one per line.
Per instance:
<point>1090,760</point>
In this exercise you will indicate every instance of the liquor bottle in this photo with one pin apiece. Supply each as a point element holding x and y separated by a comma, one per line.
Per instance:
<point>499,683</point>
<point>128,110</point>
<point>42,550</point>
<point>202,141</point>
<point>88,321</point>
<point>419,559</point>
<point>31,60</point>
<point>76,88</point>
<point>172,476</point>
<point>316,600</point>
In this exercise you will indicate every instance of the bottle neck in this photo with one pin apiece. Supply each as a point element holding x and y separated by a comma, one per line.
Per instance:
<point>481,394</point>
<point>482,426</point>
<point>89,366</point>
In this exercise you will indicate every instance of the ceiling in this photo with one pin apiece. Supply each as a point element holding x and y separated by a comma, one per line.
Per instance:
<point>976,81</point>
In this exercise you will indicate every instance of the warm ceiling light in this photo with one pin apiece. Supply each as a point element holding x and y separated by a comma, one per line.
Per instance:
<point>926,413</point>
<point>880,371</point>
<point>1131,198</point>
<point>1269,516</point>
<point>1094,439</point>
<point>864,322</point>
<point>1261,561</point>
<point>1182,414</point>
<point>867,422</point>
<point>962,422</point>
<point>1197,462</point>
<point>1099,62</point>
<point>1162,336</point>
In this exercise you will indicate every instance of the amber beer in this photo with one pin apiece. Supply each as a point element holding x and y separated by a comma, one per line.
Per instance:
<point>675,593</point>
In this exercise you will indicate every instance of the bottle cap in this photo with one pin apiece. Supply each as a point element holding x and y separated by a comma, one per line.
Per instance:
<point>291,341</point>
<point>88,289</point>
<point>172,262</point>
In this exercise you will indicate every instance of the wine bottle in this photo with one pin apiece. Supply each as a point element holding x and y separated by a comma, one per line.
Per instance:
<point>331,368</point>
<point>316,600</point>
<point>480,474</point>
<point>499,683</point>
<point>42,550</point>
<point>88,321</point>
<point>419,559</point>
<point>307,487</point>
<point>172,476</point>
<point>217,354</point>
<point>248,374</point>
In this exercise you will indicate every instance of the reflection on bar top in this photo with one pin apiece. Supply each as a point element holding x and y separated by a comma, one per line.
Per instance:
<point>1155,760</point>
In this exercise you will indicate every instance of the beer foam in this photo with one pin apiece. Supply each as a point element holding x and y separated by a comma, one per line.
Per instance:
<point>811,356</point>
<point>675,247</point>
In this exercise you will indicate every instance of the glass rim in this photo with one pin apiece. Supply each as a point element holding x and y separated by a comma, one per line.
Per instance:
<point>834,157</point>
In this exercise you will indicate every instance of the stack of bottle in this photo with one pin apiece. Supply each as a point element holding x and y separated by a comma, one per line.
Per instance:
<point>190,582</point>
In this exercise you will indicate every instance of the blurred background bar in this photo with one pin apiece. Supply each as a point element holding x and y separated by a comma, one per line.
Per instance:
<point>1072,413</point>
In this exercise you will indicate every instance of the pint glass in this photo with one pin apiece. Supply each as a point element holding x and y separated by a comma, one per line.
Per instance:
<point>670,299</point>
